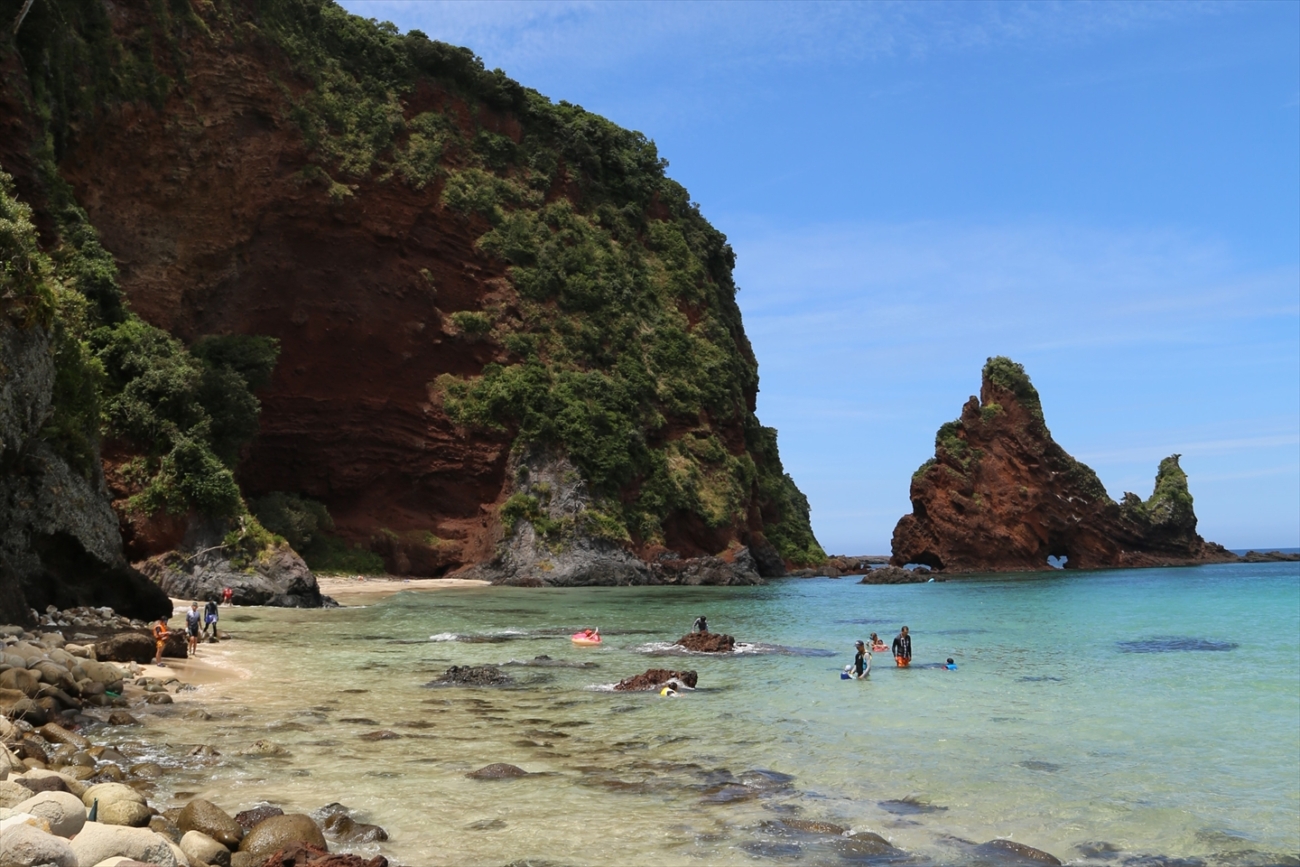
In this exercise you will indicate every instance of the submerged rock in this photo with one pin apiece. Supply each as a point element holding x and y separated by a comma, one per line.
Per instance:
<point>497,771</point>
<point>1001,495</point>
<point>308,855</point>
<point>707,642</point>
<point>655,678</point>
<point>1009,852</point>
<point>472,675</point>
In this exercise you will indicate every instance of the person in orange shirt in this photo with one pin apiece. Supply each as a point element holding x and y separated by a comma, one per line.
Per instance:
<point>160,633</point>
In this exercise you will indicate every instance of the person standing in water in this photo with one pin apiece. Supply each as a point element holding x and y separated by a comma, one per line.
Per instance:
<point>192,618</point>
<point>903,648</point>
<point>210,617</point>
<point>861,661</point>
<point>701,624</point>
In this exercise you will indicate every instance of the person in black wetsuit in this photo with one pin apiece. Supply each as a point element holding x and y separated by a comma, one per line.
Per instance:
<point>210,617</point>
<point>903,648</point>
<point>701,624</point>
<point>860,664</point>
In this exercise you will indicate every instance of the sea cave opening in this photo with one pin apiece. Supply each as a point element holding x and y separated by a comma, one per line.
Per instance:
<point>1057,561</point>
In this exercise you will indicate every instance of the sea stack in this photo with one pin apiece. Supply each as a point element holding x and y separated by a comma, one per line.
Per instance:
<point>1001,495</point>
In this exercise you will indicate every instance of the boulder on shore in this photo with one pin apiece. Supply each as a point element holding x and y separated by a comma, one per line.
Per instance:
<point>656,678</point>
<point>307,855</point>
<point>707,642</point>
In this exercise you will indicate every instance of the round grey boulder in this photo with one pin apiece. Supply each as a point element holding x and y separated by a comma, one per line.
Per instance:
<point>98,842</point>
<point>277,832</point>
<point>63,810</point>
<point>25,845</point>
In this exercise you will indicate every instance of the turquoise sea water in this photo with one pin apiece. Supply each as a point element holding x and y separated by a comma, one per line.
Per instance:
<point>1100,716</point>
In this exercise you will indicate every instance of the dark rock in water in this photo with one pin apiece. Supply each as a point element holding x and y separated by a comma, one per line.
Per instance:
<point>1175,644</point>
<point>486,825</point>
<point>734,566</point>
<point>775,851</point>
<point>122,718</point>
<point>910,806</point>
<point>248,819</point>
<point>381,735</point>
<point>1099,851</point>
<point>125,647</point>
<point>497,771</point>
<point>656,678</point>
<point>1001,495</point>
<point>1013,854</point>
<point>895,575</point>
<point>1270,557</point>
<point>339,824</point>
<point>472,675</point>
<point>309,855</point>
<point>1035,765</point>
<point>868,847</point>
<point>707,642</point>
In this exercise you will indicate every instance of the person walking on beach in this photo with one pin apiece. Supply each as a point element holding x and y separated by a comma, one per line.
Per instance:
<point>903,648</point>
<point>701,624</point>
<point>210,617</point>
<point>160,633</point>
<point>192,618</point>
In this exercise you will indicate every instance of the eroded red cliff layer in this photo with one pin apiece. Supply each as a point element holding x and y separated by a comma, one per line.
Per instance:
<point>1001,495</point>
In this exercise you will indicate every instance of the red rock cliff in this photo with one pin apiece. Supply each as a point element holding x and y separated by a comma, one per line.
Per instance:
<point>227,217</point>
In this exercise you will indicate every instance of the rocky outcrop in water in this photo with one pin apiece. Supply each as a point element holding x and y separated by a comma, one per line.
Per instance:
<point>897,575</point>
<point>59,540</point>
<point>472,675</point>
<point>707,642</point>
<point>655,678</point>
<point>1001,495</point>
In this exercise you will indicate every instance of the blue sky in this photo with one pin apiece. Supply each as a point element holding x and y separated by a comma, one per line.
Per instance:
<point>1108,193</point>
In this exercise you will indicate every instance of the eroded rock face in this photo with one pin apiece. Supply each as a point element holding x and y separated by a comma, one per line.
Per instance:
<point>1001,495</point>
<point>59,539</point>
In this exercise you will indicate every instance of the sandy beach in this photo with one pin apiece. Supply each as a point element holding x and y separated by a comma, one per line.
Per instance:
<point>363,589</point>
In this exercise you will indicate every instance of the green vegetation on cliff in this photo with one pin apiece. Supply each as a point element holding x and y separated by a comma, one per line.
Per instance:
<point>626,332</point>
<point>1169,504</point>
<point>625,348</point>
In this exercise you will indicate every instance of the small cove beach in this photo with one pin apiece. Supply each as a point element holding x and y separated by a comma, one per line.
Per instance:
<point>1096,716</point>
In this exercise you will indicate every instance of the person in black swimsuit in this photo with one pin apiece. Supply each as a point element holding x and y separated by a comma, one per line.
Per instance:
<point>701,624</point>
<point>903,648</point>
<point>860,661</point>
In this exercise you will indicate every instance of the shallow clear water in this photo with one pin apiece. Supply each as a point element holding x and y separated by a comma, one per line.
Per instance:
<point>1154,711</point>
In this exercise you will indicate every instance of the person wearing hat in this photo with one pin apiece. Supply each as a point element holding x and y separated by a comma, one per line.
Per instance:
<point>861,661</point>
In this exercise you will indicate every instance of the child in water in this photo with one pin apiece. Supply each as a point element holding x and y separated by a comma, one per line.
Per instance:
<point>950,665</point>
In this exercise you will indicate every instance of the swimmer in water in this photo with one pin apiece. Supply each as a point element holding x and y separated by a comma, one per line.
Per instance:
<point>950,665</point>
<point>877,645</point>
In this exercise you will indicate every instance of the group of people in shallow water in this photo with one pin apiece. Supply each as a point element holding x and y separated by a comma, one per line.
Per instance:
<point>901,648</point>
